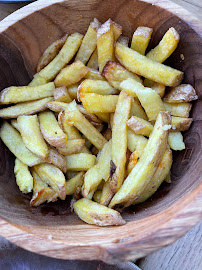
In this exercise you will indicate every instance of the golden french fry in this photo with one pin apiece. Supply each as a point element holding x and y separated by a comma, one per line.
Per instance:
<point>73,90</point>
<point>140,126</point>
<point>93,61</point>
<point>94,74</point>
<point>132,161</point>
<point>106,194</point>
<point>175,141</point>
<point>51,52</point>
<point>47,194</point>
<point>136,142</point>
<point>97,195</point>
<point>72,147</point>
<point>180,123</point>
<point>31,135</point>
<point>13,140</point>
<point>56,159</point>
<point>61,94</point>
<point>14,123</point>
<point>181,93</point>
<point>141,38</point>
<point>75,182</point>
<point>103,116</point>
<point>117,30</point>
<point>147,164</point>
<point>158,87</point>
<point>25,108</point>
<point>91,117</point>
<point>178,109</point>
<point>80,162</point>
<point>119,141</point>
<point>146,67</point>
<point>137,110</point>
<point>38,184</point>
<point>94,213</point>
<point>23,176</point>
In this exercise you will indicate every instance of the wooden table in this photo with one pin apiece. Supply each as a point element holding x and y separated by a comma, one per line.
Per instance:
<point>184,254</point>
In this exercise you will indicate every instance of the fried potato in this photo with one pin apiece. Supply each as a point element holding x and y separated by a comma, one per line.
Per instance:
<point>103,116</point>
<point>94,213</point>
<point>117,30</point>
<point>57,159</point>
<point>119,141</point>
<point>51,130</point>
<point>23,176</point>
<point>97,195</point>
<point>147,164</point>
<point>181,93</point>
<point>14,123</point>
<point>146,67</point>
<point>136,142</point>
<point>51,52</point>
<point>165,47</point>
<point>158,87</point>
<point>71,74</point>
<point>178,109</point>
<point>175,141</point>
<point>141,38</point>
<point>13,140</point>
<point>89,42</point>
<point>38,184</point>
<point>61,94</point>
<point>168,178</point>
<point>123,40</point>
<point>95,103</point>
<point>31,135</point>
<point>132,161</point>
<point>93,61</point>
<point>94,74</point>
<point>72,90</point>
<point>47,194</point>
<point>91,117</point>
<point>72,147</point>
<point>149,99</point>
<point>15,94</point>
<point>25,108</point>
<point>75,182</point>
<point>67,52</point>
<point>180,123</point>
<point>106,194</point>
<point>80,162</point>
<point>53,177</point>
<point>140,126</point>
<point>105,44</point>
<point>137,110</point>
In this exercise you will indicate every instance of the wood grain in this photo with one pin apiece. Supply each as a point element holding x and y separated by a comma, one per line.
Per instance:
<point>174,209</point>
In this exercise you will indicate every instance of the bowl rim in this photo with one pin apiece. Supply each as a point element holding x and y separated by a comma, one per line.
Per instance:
<point>188,208</point>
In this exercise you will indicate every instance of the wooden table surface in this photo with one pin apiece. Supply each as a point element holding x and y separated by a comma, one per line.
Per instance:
<point>186,253</point>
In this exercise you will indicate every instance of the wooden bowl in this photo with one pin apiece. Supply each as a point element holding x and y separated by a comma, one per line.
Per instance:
<point>52,229</point>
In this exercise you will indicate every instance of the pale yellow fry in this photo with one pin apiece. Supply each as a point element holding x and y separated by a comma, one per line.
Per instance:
<point>14,123</point>
<point>80,162</point>
<point>61,94</point>
<point>136,142</point>
<point>132,161</point>
<point>47,194</point>
<point>123,40</point>
<point>117,30</point>
<point>93,61</point>
<point>158,87</point>
<point>23,176</point>
<point>103,116</point>
<point>141,38</point>
<point>181,93</point>
<point>57,159</point>
<point>178,109</point>
<point>73,90</point>
<point>137,110</point>
<point>106,194</point>
<point>38,184</point>
<point>140,126</point>
<point>75,182</point>
<point>175,141</point>
<point>180,123</point>
<point>94,74</point>
<point>97,195</point>
<point>72,147</point>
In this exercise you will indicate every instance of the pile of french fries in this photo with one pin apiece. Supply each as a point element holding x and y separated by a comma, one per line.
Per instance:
<point>98,121</point>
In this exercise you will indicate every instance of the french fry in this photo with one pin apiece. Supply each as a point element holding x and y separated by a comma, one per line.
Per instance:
<point>71,174</point>
<point>105,44</point>
<point>14,123</point>
<point>165,47</point>
<point>93,61</point>
<point>132,161</point>
<point>91,117</point>
<point>57,159</point>
<point>95,103</point>
<point>31,135</point>
<point>51,52</point>
<point>168,178</point>
<point>103,116</point>
<point>140,126</point>
<point>117,30</point>
<point>75,182</point>
<point>147,164</point>
<point>80,162</point>
<point>51,130</point>
<point>72,147</point>
<point>15,94</point>
<point>38,184</point>
<point>67,52</point>
<point>53,177</point>
<point>146,67</point>
<point>123,40</point>
<point>71,74</point>
<point>94,74</point>
<point>61,94</point>
<point>181,93</point>
<point>106,194</point>
<point>175,141</point>
<point>180,123</point>
<point>119,141</point>
<point>89,42</point>
<point>73,90</point>
<point>178,109</point>
<point>116,73</point>
<point>25,108</point>
<point>149,99</point>
<point>137,110</point>
<point>158,87</point>
<point>13,140</point>
<point>94,213</point>
<point>23,176</point>
<point>141,38</point>
<point>97,195</point>
<point>136,142</point>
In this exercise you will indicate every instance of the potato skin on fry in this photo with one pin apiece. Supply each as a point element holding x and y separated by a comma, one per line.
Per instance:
<point>181,93</point>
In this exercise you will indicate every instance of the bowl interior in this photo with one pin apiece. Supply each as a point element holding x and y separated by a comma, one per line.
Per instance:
<point>21,46</point>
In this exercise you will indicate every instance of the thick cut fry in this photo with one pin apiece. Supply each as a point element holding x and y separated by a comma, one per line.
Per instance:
<point>100,171</point>
<point>12,139</point>
<point>132,161</point>
<point>51,52</point>
<point>168,178</point>
<point>67,52</point>
<point>178,109</point>
<point>105,44</point>
<point>181,93</point>
<point>140,126</point>
<point>95,103</point>
<point>80,162</point>
<point>97,195</point>
<point>38,184</point>
<point>72,147</point>
<point>147,164</point>
<point>175,141</point>
<point>117,30</point>
<point>94,74</point>
<point>141,38</point>
<point>71,74</point>
<point>91,117</point>
<point>158,87</point>
<point>94,213</point>
<point>53,177</point>
<point>61,94</point>
<point>31,135</point>
<point>47,194</point>
<point>149,99</point>
<point>23,176</point>
<point>180,123</point>
<point>136,142</point>
<point>119,141</point>
<point>15,94</point>
<point>150,69</point>
<point>93,61</point>
<point>137,110</point>
<point>51,130</point>
<point>14,123</point>
<point>57,159</point>
<point>75,182</point>
<point>158,178</point>
<point>106,194</point>
<point>25,108</point>
<point>123,40</point>
<point>73,91</point>
<point>165,47</point>
<point>103,116</point>
<point>89,42</point>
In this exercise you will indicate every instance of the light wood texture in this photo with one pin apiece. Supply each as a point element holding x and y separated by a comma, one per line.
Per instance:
<point>169,213</point>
